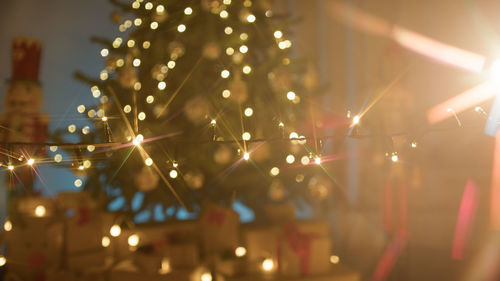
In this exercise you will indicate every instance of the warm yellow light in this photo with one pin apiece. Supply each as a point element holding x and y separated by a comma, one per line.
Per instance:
<point>162,85</point>
<point>181,28</point>
<point>160,9</point>
<point>269,13</point>
<point>278,34</point>
<point>153,25</point>
<point>243,36</point>
<point>53,148</point>
<point>414,144</point>
<point>104,118</point>
<point>104,75</point>
<point>229,51</point>
<point>165,267</point>
<point>226,94</point>
<point>268,265</point>
<point>127,23</point>
<point>130,43</point>
<point>294,135</point>
<point>133,240</point>
<point>224,14</point>
<point>90,148</point>
<point>104,52</point>
<point>228,30</point>
<point>290,95</point>
<point>150,99</point>
<point>243,49</point>
<point>127,109</point>
<point>317,160</point>
<point>213,122</point>
<point>136,5</point>
<point>248,111</point>
<point>225,73</point>
<point>87,164</point>
<point>290,159</point>
<point>141,116</point>
<point>304,160</point>
<point>117,42</point>
<point>356,119</point>
<point>3,261</point>
<point>251,18</point>
<point>247,3</point>
<point>78,183</point>
<point>207,276</point>
<point>188,11</point>
<point>226,2</point>
<point>137,22</point>
<point>173,174</point>
<point>282,45</point>
<point>136,62</point>
<point>40,211</point>
<point>7,226</point>
<point>31,161</point>
<point>334,259</point>
<point>146,44</point>
<point>148,162</point>
<point>81,108</point>
<point>171,64</point>
<point>105,241</point>
<point>115,230</point>
<point>81,167</point>
<point>240,252</point>
<point>246,156</point>
<point>148,6</point>
<point>274,171</point>
<point>394,158</point>
<point>57,158</point>
<point>246,136</point>
<point>247,69</point>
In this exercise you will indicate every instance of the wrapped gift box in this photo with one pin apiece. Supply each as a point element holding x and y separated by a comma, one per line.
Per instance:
<point>307,256</point>
<point>128,271</point>
<point>219,228</point>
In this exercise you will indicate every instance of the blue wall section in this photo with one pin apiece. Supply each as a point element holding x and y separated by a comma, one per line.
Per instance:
<point>64,27</point>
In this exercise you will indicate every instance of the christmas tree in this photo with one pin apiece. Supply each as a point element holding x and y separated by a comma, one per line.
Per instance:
<point>198,100</point>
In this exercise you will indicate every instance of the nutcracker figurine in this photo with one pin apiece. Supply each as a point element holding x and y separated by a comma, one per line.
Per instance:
<point>23,124</point>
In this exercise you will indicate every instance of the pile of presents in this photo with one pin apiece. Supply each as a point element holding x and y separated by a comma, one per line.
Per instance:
<point>71,238</point>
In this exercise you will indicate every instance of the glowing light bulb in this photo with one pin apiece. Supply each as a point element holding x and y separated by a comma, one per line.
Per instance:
<point>160,9</point>
<point>228,30</point>
<point>133,240</point>
<point>334,259</point>
<point>356,119</point>
<point>148,162</point>
<point>246,136</point>
<point>224,14</point>
<point>40,211</point>
<point>248,111</point>
<point>104,118</point>
<point>267,265</point>
<point>81,108</point>
<point>394,157</point>
<point>153,25</point>
<point>136,62</point>
<point>225,73</point>
<point>240,252</point>
<point>278,34</point>
<point>414,144</point>
<point>173,174</point>
<point>226,2</point>
<point>290,95</point>
<point>104,52</point>
<point>290,159</point>
<point>294,135</point>
<point>243,36</point>
<point>127,109</point>
<point>10,167</point>
<point>247,69</point>
<point>115,230</point>
<point>304,160</point>
<point>181,28</point>
<point>251,18</point>
<point>274,171</point>
<point>3,261</point>
<point>317,160</point>
<point>78,183</point>
<point>188,11</point>
<point>162,85</point>
<point>7,226</point>
<point>213,122</point>
<point>31,161</point>
<point>226,94</point>
<point>58,158</point>
<point>105,241</point>
<point>130,43</point>
<point>149,6</point>
<point>243,49</point>
<point>207,276</point>
<point>229,51</point>
<point>246,156</point>
<point>141,116</point>
<point>146,44</point>
<point>137,22</point>
<point>165,267</point>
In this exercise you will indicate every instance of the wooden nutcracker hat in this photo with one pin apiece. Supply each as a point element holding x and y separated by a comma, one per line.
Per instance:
<point>26,55</point>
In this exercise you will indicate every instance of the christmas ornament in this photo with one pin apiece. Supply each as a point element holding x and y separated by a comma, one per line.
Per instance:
<point>197,109</point>
<point>146,180</point>
<point>238,89</point>
<point>211,50</point>
<point>23,102</point>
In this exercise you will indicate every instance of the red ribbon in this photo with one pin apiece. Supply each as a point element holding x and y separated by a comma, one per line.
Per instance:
<point>216,217</point>
<point>300,243</point>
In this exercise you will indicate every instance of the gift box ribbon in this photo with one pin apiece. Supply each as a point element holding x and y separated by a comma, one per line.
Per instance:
<point>300,243</point>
